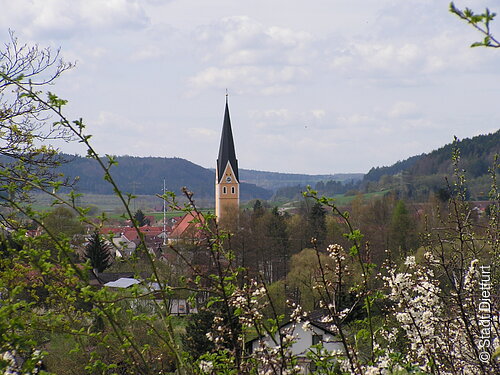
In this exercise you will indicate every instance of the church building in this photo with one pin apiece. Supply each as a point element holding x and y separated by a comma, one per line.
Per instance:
<point>227,181</point>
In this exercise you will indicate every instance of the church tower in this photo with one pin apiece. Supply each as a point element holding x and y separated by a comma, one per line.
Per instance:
<point>227,181</point>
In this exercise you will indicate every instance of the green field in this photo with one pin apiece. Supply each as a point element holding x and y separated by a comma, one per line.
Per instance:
<point>339,200</point>
<point>110,204</point>
<point>343,200</point>
<point>153,206</point>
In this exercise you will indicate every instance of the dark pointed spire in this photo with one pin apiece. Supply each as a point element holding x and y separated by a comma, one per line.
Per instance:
<point>226,148</point>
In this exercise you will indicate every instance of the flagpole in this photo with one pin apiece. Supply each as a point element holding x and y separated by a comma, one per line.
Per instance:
<point>164,216</point>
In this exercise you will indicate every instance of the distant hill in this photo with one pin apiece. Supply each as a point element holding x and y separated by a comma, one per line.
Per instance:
<point>276,180</point>
<point>145,175</point>
<point>375,173</point>
<point>476,156</point>
<point>416,176</point>
<point>419,175</point>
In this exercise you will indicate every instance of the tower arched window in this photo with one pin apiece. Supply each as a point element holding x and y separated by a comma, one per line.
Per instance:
<point>232,189</point>
<point>224,190</point>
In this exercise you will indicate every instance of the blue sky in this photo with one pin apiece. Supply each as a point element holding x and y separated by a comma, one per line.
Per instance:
<point>322,86</point>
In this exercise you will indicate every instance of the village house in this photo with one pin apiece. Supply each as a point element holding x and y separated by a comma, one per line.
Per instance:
<point>126,239</point>
<point>187,229</point>
<point>312,331</point>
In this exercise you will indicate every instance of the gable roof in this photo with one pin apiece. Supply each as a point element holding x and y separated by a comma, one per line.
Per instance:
<point>190,220</point>
<point>227,153</point>
<point>315,318</point>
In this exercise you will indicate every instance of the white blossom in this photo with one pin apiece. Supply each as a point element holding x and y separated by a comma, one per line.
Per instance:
<point>410,261</point>
<point>306,326</point>
<point>206,366</point>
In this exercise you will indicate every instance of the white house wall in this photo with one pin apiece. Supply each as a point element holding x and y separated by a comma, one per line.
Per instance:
<point>304,340</point>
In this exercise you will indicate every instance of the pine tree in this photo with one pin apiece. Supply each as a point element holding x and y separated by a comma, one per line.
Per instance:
<point>278,236</point>
<point>98,252</point>
<point>258,209</point>
<point>317,223</point>
<point>141,218</point>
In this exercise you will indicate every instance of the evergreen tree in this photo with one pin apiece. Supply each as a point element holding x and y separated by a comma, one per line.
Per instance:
<point>98,252</point>
<point>141,218</point>
<point>195,340</point>
<point>317,222</point>
<point>258,209</point>
<point>277,233</point>
<point>201,324</point>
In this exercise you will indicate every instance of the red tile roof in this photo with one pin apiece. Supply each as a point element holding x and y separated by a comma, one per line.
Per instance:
<point>189,221</point>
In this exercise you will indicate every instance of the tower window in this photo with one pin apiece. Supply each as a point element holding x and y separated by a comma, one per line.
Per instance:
<point>232,189</point>
<point>224,190</point>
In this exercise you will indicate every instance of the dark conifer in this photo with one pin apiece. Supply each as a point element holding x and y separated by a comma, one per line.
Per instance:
<point>317,222</point>
<point>98,252</point>
<point>141,219</point>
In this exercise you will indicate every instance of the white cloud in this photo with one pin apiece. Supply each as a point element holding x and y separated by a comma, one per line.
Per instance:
<point>62,18</point>
<point>360,81</point>
<point>245,54</point>
<point>318,113</point>
<point>201,133</point>
<point>407,63</point>
<point>371,58</point>
<point>249,79</point>
<point>241,40</point>
<point>147,52</point>
<point>272,121</point>
<point>271,117</point>
<point>278,89</point>
<point>354,119</point>
<point>404,110</point>
<point>113,121</point>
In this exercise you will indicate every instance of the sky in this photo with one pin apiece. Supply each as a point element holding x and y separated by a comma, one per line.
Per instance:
<point>317,86</point>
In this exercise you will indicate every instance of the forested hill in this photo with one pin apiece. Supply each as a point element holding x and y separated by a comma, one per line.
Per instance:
<point>476,155</point>
<point>423,174</point>
<point>145,175</point>
<point>275,180</point>
<point>375,173</point>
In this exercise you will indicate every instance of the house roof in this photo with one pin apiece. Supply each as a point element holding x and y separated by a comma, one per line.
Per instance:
<point>104,278</point>
<point>123,282</point>
<point>189,220</point>
<point>315,318</point>
<point>131,234</point>
<point>226,149</point>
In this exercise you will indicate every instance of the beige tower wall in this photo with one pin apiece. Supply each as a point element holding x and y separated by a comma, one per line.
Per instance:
<point>227,195</point>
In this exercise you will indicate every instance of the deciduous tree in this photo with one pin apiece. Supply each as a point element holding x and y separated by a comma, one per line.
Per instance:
<point>63,222</point>
<point>481,22</point>
<point>26,156</point>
